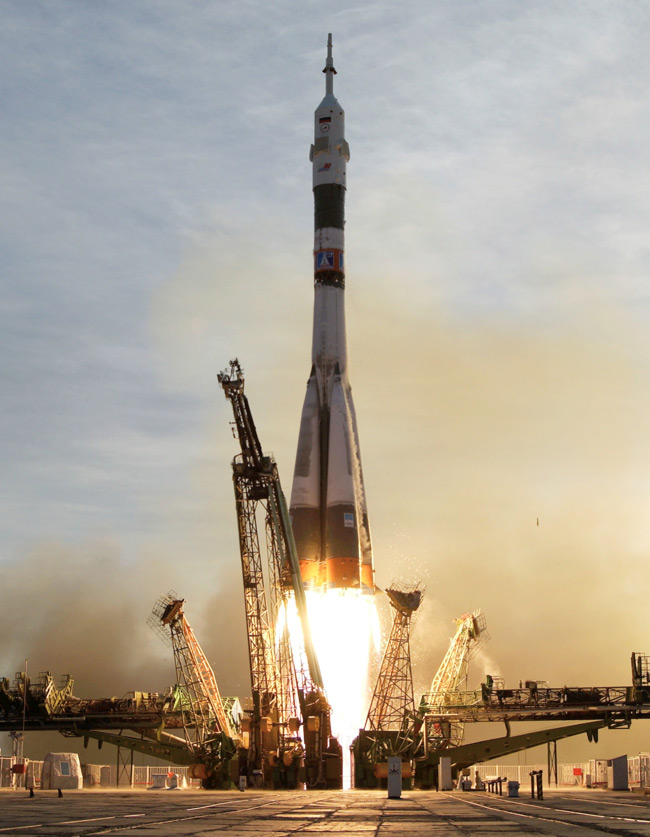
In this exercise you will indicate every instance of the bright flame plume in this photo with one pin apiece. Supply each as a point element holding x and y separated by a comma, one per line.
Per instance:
<point>345,629</point>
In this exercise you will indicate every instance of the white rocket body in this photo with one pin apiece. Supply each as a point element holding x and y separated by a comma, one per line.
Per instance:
<point>328,506</point>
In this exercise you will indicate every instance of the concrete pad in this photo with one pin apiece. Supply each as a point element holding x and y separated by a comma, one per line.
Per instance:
<point>279,814</point>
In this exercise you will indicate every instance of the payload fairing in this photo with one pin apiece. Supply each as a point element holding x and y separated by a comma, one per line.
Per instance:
<point>328,504</point>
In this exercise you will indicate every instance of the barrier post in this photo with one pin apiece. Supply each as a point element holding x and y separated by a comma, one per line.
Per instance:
<point>536,784</point>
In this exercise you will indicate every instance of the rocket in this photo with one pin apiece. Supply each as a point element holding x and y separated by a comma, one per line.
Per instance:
<point>328,504</point>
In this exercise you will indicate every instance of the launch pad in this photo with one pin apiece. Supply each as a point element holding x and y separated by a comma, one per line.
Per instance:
<point>190,814</point>
<point>317,545</point>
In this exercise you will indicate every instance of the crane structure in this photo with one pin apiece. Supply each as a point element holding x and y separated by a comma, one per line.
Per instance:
<point>392,724</point>
<point>286,680</point>
<point>41,694</point>
<point>641,676</point>
<point>453,671</point>
<point>209,733</point>
<point>596,708</point>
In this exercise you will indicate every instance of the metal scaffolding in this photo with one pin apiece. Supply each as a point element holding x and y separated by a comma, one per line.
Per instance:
<point>453,671</point>
<point>392,707</point>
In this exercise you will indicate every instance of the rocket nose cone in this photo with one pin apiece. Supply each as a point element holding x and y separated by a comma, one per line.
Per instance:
<point>329,101</point>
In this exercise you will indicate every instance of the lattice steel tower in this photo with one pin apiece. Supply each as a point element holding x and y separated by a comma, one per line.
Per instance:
<point>470,634</point>
<point>392,708</point>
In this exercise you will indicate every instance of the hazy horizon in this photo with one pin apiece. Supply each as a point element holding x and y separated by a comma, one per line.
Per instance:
<point>157,221</point>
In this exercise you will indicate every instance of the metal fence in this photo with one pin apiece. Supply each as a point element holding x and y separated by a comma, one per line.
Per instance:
<point>95,775</point>
<point>511,772</point>
<point>591,773</point>
<point>9,779</point>
<point>142,776</point>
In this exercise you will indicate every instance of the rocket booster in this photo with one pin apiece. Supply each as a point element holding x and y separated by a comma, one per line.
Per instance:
<point>328,505</point>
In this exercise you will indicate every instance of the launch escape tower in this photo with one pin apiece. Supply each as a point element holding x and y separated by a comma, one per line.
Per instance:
<point>287,685</point>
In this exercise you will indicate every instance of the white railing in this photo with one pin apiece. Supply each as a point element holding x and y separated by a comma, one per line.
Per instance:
<point>511,772</point>
<point>142,775</point>
<point>591,773</point>
<point>95,775</point>
<point>9,779</point>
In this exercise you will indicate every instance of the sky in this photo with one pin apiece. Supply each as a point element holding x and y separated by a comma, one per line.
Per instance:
<point>156,221</point>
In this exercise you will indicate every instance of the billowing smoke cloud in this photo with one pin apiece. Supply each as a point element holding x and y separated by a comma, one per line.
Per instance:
<point>78,610</point>
<point>82,610</point>
<point>507,466</point>
<point>518,474</point>
<point>504,449</point>
<point>505,458</point>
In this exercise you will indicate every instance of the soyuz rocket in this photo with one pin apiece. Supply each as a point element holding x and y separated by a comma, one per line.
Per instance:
<point>328,504</point>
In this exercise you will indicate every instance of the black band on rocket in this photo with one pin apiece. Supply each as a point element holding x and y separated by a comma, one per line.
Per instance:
<point>329,206</point>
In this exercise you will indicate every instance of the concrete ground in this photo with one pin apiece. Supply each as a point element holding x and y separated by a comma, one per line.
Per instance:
<point>358,813</point>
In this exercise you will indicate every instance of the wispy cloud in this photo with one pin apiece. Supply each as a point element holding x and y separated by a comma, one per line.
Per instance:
<point>155,220</point>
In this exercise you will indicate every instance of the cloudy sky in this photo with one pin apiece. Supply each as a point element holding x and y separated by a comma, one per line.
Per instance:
<point>156,220</point>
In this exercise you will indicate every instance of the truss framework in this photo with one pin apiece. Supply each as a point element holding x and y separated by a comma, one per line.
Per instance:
<point>204,717</point>
<point>283,686</point>
<point>392,707</point>
<point>470,634</point>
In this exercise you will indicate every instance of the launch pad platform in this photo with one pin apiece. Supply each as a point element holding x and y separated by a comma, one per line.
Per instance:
<point>202,814</point>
